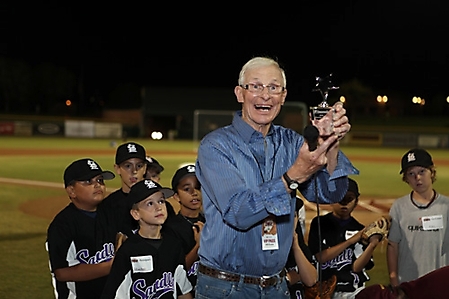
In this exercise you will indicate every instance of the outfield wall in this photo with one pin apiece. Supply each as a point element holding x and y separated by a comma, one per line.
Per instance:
<point>397,139</point>
<point>67,128</point>
<point>365,136</point>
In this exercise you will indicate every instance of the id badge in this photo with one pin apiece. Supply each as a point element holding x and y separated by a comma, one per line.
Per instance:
<point>350,233</point>
<point>142,264</point>
<point>432,222</point>
<point>269,234</point>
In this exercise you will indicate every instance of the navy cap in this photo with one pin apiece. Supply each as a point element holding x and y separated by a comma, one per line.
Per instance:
<point>143,189</point>
<point>188,170</point>
<point>85,169</point>
<point>353,187</point>
<point>416,157</point>
<point>129,150</point>
<point>153,163</point>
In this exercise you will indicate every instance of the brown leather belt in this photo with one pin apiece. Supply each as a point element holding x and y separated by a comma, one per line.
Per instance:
<point>264,281</point>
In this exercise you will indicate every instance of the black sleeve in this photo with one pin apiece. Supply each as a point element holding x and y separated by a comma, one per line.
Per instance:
<point>303,245</point>
<point>120,267</point>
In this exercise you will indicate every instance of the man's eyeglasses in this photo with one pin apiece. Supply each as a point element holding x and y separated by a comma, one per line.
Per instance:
<point>258,88</point>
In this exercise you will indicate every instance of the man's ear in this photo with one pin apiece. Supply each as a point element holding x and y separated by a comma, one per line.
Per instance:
<point>238,91</point>
<point>284,96</point>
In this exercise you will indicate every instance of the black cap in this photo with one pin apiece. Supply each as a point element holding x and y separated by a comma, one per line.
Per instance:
<point>84,169</point>
<point>353,187</point>
<point>145,188</point>
<point>181,173</point>
<point>416,157</point>
<point>129,150</point>
<point>153,163</point>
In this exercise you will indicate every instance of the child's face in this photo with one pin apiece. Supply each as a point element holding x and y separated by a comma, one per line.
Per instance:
<point>131,171</point>
<point>419,178</point>
<point>86,195</point>
<point>153,175</point>
<point>188,193</point>
<point>151,210</point>
<point>344,208</point>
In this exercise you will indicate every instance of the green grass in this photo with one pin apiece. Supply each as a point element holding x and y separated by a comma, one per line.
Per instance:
<point>24,260</point>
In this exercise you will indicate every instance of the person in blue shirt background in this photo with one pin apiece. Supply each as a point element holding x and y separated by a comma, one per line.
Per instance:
<point>249,172</point>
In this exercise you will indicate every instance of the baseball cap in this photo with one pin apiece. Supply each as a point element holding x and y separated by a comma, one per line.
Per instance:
<point>145,188</point>
<point>416,157</point>
<point>353,187</point>
<point>85,169</point>
<point>129,150</point>
<point>153,163</point>
<point>181,173</point>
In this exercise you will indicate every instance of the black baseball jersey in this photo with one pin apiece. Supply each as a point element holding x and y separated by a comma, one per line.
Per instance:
<point>148,268</point>
<point>116,209</point>
<point>335,231</point>
<point>78,237</point>
<point>182,228</point>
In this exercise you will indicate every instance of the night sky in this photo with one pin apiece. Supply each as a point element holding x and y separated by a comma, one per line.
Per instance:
<point>388,45</point>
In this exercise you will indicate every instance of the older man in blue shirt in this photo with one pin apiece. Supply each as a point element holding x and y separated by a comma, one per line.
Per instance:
<point>249,172</point>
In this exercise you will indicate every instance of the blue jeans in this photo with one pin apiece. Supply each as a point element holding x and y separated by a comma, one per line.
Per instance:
<point>208,287</point>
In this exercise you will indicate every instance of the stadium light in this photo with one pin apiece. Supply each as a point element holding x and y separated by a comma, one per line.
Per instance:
<point>156,135</point>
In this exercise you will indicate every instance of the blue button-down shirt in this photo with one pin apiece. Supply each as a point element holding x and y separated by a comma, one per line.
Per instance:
<point>240,173</point>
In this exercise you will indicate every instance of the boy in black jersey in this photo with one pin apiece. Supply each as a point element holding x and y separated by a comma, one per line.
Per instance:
<point>342,254</point>
<point>130,165</point>
<point>189,221</point>
<point>79,245</point>
<point>150,263</point>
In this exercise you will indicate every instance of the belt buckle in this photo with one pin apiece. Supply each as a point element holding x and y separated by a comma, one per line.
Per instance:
<point>264,280</point>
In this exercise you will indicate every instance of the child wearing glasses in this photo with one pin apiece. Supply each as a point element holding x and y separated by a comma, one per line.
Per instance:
<point>79,244</point>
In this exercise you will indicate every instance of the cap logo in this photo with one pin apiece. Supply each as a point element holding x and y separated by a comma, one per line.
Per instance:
<point>191,168</point>
<point>411,157</point>
<point>150,184</point>
<point>132,148</point>
<point>92,165</point>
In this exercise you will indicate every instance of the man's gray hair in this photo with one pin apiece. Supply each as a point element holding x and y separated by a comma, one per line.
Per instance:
<point>260,62</point>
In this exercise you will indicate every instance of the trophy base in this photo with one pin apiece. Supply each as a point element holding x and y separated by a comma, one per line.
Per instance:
<point>319,112</point>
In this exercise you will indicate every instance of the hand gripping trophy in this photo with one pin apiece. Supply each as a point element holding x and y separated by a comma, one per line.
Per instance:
<point>323,85</point>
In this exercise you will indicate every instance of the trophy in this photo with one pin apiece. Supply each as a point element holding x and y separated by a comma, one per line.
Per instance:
<point>323,85</point>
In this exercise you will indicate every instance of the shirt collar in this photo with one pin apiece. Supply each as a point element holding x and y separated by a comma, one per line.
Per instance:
<point>244,129</point>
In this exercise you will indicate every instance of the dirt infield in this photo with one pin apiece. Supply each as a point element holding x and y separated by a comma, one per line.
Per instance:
<point>45,207</point>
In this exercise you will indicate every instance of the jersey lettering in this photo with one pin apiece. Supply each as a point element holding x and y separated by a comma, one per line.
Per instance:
<point>342,260</point>
<point>156,290</point>
<point>104,255</point>
<point>194,269</point>
<point>414,228</point>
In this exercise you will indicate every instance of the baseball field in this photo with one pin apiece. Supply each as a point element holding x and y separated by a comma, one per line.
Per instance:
<point>31,193</point>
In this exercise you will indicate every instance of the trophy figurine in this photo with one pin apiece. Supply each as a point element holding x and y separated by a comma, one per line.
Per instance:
<point>323,85</point>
